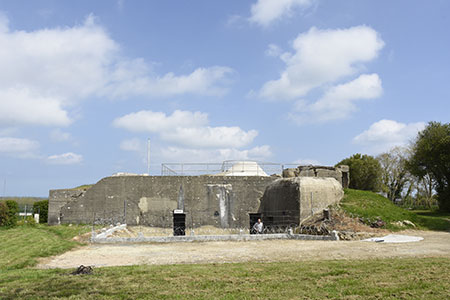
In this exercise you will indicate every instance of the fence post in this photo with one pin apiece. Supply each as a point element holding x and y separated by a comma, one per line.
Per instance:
<point>93,221</point>
<point>124,211</point>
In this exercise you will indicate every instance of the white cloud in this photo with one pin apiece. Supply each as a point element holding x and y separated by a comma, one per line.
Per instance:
<point>321,57</point>
<point>273,50</point>
<point>149,121</point>
<point>58,135</point>
<point>68,158</point>
<point>50,70</point>
<point>8,131</point>
<point>21,106</point>
<point>26,148</point>
<point>386,134</point>
<point>68,62</point>
<point>236,21</point>
<point>176,154</point>
<point>338,102</point>
<point>186,128</point>
<point>256,153</point>
<point>18,147</point>
<point>210,137</point>
<point>204,81</point>
<point>265,12</point>
<point>133,145</point>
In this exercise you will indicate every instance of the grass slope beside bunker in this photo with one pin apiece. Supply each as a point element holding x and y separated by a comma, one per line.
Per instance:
<point>22,245</point>
<point>370,206</point>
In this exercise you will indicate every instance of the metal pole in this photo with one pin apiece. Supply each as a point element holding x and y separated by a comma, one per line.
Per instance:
<point>124,211</point>
<point>148,156</point>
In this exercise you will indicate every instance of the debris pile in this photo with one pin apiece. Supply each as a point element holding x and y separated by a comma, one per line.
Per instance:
<point>82,270</point>
<point>348,228</point>
<point>404,223</point>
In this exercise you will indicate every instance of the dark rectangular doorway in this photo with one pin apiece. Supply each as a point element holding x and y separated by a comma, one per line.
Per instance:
<point>179,223</point>
<point>253,219</point>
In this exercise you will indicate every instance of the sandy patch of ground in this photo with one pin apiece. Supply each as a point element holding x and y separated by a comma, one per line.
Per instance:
<point>435,244</point>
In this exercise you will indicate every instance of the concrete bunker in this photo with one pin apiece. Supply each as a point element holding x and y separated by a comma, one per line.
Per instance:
<point>287,202</point>
<point>220,200</point>
<point>341,173</point>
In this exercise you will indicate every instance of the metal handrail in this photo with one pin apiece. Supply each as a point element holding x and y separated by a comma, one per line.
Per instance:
<point>183,169</point>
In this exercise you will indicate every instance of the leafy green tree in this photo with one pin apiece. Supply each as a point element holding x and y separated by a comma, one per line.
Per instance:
<point>41,208</point>
<point>394,174</point>
<point>365,172</point>
<point>4,216</point>
<point>431,155</point>
<point>13,212</point>
<point>9,210</point>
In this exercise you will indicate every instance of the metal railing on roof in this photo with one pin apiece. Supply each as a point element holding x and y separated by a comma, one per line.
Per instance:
<point>229,167</point>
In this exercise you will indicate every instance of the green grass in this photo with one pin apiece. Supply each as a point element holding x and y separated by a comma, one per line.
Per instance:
<point>373,279</point>
<point>22,245</point>
<point>23,200</point>
<point>370,206</point>
<point>412,278</point>
<point>83,187</point>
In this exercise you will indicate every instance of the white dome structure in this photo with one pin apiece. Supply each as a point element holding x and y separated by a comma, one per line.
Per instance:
<point>243,168</point>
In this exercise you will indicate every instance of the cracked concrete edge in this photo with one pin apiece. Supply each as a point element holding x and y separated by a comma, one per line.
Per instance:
<point>209,238</point>
<point>108,232</point>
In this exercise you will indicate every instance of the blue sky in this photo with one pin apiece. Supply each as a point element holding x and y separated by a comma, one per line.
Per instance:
<point>84,84</point>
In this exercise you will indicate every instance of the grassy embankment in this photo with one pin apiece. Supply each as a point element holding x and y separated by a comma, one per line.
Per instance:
<point>418,278</point>
<point>22,245</point>
<point>83,187</point>
<point>370,206</point>
<point>23,200</point>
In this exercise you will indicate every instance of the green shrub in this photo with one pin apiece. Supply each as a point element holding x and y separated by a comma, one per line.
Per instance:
<point>365,172</point>
<point>9,210</point>
<point>28,220</point>
<point>4,217</point>
<point>13,211</point>
<point>41,208</point>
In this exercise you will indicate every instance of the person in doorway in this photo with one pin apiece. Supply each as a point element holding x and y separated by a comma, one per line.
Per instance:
<point>258,227</point>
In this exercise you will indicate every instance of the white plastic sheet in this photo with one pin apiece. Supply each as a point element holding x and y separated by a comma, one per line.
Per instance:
<point>395,238</point>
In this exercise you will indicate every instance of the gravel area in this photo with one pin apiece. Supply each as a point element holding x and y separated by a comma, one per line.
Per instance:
<point>434,244</point>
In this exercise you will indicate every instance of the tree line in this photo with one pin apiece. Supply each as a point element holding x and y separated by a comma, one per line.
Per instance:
<point>416,176</point>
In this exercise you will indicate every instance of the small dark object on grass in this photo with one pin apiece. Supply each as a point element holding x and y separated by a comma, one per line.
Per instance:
<point>82,270</point>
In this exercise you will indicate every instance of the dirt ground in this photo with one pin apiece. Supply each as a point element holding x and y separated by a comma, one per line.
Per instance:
<point>435,244</point>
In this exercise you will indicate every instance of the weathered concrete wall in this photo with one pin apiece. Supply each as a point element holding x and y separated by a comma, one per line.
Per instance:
<point>290,201</point>
<point>57,200</point>
<point>340,173</point>
<point>149,200</point>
